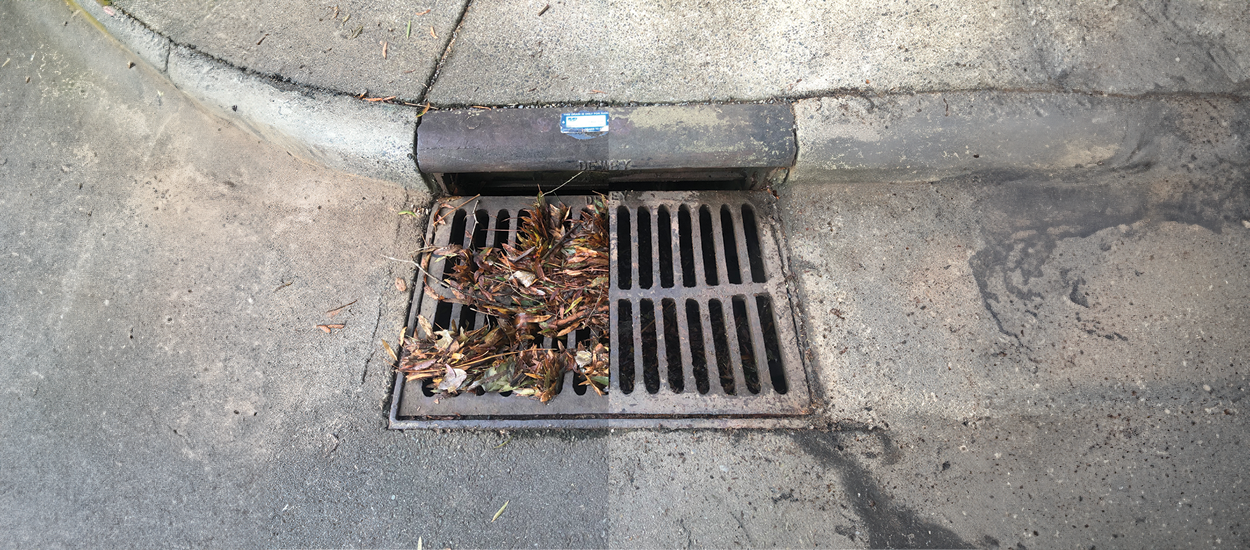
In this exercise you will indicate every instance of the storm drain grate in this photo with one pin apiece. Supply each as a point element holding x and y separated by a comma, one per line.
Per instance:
<point>702,332</point>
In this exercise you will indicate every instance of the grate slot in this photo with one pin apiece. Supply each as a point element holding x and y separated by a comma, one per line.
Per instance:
<point>733,265</point>
<point>502,229</point>
<point>649,346</point>
<point>708,246</point>
<point>772,344</point>
<point>697,349</point>
<point>624,245</point>
<point>442,316</point>
<point>761,342</point>
<point>645,229</point>
<point>730,376</point>
<point>759,357</point>
<point>752,238</point>
<point>481,228</point>
<point>671,344</point>
<point>686,244</point>
<point>624,353</point>
<point>680,369</point>
<point>700,320</point>
<point>666,232</point>
<point>741,246</point>
<point>740,356</point>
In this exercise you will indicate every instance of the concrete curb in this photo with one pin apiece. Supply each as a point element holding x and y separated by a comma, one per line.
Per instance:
<point>860,138</point>
<point>341,132</point>
<point>931,137</point>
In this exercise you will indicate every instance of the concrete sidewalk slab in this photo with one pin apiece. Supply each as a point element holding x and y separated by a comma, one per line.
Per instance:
<point>665,52</point>
<point>334,46</point>
<point>1144,47</point>
<point>505,53</point>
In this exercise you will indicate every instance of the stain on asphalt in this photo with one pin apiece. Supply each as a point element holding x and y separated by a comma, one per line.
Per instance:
<point>884,523</point>
<point>1038,217</point>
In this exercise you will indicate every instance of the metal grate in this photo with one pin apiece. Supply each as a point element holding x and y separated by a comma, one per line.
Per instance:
<point>702,329</point>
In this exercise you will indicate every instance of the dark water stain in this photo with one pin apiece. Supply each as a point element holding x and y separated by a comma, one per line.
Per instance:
<point>1042,214</point>
<point>885,524</point>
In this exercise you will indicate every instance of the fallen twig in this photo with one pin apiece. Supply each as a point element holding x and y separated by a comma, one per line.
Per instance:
<point>339,309</point>
<point>439,218</point>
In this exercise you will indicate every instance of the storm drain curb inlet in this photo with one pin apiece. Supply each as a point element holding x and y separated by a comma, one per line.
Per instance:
<point>702,332</point>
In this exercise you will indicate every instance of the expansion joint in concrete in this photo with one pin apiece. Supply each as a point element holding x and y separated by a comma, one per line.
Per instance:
<point>442,59</point>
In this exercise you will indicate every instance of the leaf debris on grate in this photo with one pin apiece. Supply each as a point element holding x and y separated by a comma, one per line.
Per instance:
<point>551,283</point>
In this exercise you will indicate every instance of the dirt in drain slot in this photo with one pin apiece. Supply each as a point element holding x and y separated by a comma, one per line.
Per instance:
<point>551,283</point>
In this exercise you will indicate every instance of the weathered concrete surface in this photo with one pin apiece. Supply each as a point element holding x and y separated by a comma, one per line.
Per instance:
<point>1059,359</point>
<point>659,51</point>
<point>870,62</point>
<point>663,51</point>
<point>930,137</point>
<point>1140,47</point>
<point>332,130</point>
<point>162,275</point>
<point>363,138</point>
<point>332,45</point>
<point>145,246</point>
<point>667,52</point>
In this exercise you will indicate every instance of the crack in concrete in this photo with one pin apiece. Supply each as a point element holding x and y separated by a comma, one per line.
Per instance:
<point>374,336</point>
<point>438,67</point>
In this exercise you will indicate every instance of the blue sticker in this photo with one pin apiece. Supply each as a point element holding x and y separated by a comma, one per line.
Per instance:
<point>584,125</point>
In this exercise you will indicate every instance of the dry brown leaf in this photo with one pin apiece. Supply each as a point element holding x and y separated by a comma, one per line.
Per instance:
<point>389,350</point>
<point>430,292</point>
<point>328,328</point>
<point>400,285</point>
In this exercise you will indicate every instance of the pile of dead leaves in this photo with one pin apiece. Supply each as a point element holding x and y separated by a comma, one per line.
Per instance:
<point>553,282</point>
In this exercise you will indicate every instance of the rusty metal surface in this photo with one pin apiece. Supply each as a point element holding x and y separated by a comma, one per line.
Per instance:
<point>639,138</point>
<point>667,406</point>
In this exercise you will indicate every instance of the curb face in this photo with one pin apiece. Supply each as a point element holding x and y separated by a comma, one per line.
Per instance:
<point>931,137</point>
<point>638,138</point>
<point>335,130</point>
